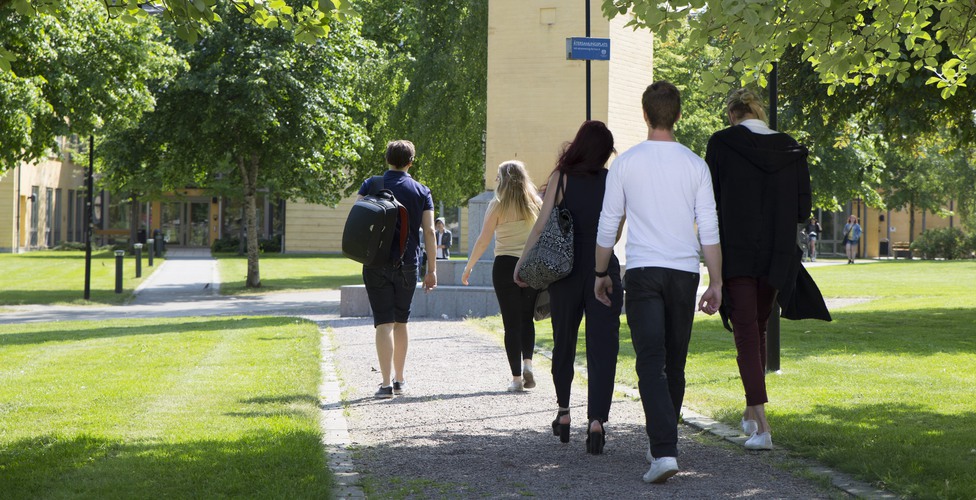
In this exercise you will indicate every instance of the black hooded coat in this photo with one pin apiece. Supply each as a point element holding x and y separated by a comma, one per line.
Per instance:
<point>762,191</point>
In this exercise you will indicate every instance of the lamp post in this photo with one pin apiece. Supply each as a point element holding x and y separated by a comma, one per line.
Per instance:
<point>772,327</point>
<point>89,215</point>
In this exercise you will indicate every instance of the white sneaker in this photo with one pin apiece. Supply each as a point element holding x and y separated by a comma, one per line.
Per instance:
<point>762,441</point>
<point>749,427</point>
<point>661,469</point>
<point>516,386</point>
<point>528,378</point>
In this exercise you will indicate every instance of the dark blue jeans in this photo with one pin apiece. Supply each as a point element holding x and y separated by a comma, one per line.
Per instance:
<point>660,306</point>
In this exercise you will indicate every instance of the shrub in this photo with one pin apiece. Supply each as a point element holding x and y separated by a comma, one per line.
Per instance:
<point>942,243</point>
<point>70,245</point>
<point>232,244</point>
<point>226,244</point>
<point>270,245</point>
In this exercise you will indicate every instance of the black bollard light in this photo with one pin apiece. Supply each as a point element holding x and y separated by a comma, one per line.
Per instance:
<point>118,270</point>
<point>138,259</point>
<point>150,242</point>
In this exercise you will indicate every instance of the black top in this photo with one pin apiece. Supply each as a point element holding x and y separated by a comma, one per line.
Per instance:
<point>583,197</point>
<point>762,191</point>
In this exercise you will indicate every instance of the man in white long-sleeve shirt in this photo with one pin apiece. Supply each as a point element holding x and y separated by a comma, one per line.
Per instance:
<point>664,189</point>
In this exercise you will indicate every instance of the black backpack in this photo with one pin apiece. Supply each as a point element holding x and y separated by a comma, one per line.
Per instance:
<point>368,234</point>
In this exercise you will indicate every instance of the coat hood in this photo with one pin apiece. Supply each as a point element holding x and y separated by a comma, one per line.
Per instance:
<point>769,153</point>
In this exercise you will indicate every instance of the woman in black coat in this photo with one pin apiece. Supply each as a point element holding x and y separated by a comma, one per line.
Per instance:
<point>762,191</point>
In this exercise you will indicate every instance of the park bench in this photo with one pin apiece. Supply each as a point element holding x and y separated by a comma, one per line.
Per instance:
<point>902,249</point>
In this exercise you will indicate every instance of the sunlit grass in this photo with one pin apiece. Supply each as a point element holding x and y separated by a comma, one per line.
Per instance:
<point>289,272</point>
<point>58,277</point>
<point>162,408</point>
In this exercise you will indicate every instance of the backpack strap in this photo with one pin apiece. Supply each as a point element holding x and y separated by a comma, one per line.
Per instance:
<point>404,230</point>
<point>376,183</point>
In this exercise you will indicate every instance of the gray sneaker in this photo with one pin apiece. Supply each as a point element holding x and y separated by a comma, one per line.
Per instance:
<point>384,392</point>
<point>399,387</point>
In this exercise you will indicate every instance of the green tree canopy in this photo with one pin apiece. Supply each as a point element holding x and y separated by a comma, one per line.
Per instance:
<point>260,110</point>
<point>307,19</point>
<point>846,42</point>
<point>79,71</point>
<point>438,88</point>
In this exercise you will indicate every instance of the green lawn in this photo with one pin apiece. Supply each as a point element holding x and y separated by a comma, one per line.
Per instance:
<point>161,408</point>
<point>884,392</point>
<point>289,272</point>
<point>58,277</point>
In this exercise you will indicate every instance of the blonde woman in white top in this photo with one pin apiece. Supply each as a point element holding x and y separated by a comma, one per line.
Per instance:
<point>509,218</point>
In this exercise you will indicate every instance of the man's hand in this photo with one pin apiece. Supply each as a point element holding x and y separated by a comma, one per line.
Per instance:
<point>711,299</point>
<point>430,282</point>
<point>602,287</point>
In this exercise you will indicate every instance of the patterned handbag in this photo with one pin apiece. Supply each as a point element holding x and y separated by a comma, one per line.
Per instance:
<point>551,259</point>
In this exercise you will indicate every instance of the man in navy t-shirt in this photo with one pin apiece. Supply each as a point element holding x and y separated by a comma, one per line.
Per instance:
<point>390,286</point>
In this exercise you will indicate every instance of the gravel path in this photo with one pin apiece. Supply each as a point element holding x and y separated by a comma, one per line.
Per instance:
<point>459,434</point>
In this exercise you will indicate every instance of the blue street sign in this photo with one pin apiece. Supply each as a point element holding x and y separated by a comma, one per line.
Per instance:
<point>586,48</point>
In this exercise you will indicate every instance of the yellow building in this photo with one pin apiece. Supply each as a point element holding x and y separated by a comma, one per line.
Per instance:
<point>41,205</point>
<point>884,232</point>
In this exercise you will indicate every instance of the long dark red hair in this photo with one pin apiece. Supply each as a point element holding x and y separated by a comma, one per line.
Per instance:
<point>589,151</point>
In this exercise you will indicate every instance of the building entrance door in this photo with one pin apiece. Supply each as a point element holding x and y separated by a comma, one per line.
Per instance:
<point>186,223</point>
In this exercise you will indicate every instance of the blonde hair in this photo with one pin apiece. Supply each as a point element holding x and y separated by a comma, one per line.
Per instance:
<point>742,102</point>
<point>516,196</point>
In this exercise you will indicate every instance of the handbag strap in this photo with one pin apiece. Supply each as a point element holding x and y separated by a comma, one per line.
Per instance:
<point>560,190</point>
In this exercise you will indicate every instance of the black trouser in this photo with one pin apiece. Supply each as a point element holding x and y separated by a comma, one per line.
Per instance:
<point>517,305</point>
<point>570,299</point>
<point>660,311</point>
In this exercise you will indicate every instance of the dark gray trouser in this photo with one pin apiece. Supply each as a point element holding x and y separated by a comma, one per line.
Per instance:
<point>660,305</point>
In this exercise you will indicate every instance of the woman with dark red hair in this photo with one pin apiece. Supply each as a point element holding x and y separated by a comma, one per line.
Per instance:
<point>581,169</point>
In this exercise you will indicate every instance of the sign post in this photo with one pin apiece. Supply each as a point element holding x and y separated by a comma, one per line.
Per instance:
<point>588,49</point>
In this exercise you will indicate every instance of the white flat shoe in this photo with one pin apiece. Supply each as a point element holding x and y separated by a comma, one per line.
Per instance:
<point>516,386</point>
<point>762,441</point>
<point>528,378</point>
<point>749,427</point>
<point>661,469</point>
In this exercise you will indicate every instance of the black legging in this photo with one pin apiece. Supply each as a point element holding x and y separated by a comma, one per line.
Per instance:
<point>517,305</point>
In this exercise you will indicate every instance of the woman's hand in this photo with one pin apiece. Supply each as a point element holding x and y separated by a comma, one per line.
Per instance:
<point>466,275</point>
<point>515,276</point>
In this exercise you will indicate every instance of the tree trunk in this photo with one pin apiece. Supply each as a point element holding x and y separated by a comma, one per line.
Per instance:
<point>911,222</point>
<point>249,173</point>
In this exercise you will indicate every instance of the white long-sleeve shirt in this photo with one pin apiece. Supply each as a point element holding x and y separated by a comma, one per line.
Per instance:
<point>664,189</point>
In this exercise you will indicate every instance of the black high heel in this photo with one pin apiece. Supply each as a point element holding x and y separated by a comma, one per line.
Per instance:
<point>595,440</point>
<point>561,430</point>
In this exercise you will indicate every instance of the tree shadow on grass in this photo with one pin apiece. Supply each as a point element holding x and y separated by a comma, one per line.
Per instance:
<point>141,327</point>
<point>908,449</point>
<point>271,284</point>
<point>13,297</point>
<point>260,465</point>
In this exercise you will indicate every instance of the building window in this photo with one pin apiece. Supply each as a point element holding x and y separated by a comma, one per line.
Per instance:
<point>35,214</point>
<point>48,217</point>
<point>57,217</point>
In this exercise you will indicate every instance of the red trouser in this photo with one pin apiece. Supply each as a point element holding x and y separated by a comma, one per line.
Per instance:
<point>749,302</point>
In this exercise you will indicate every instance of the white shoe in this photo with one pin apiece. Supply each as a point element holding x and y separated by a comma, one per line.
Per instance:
<point>528,378</point>
<point>749,427</point>
<point>516,386</point>
<point>661,469</point>
<point>762,441</point>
